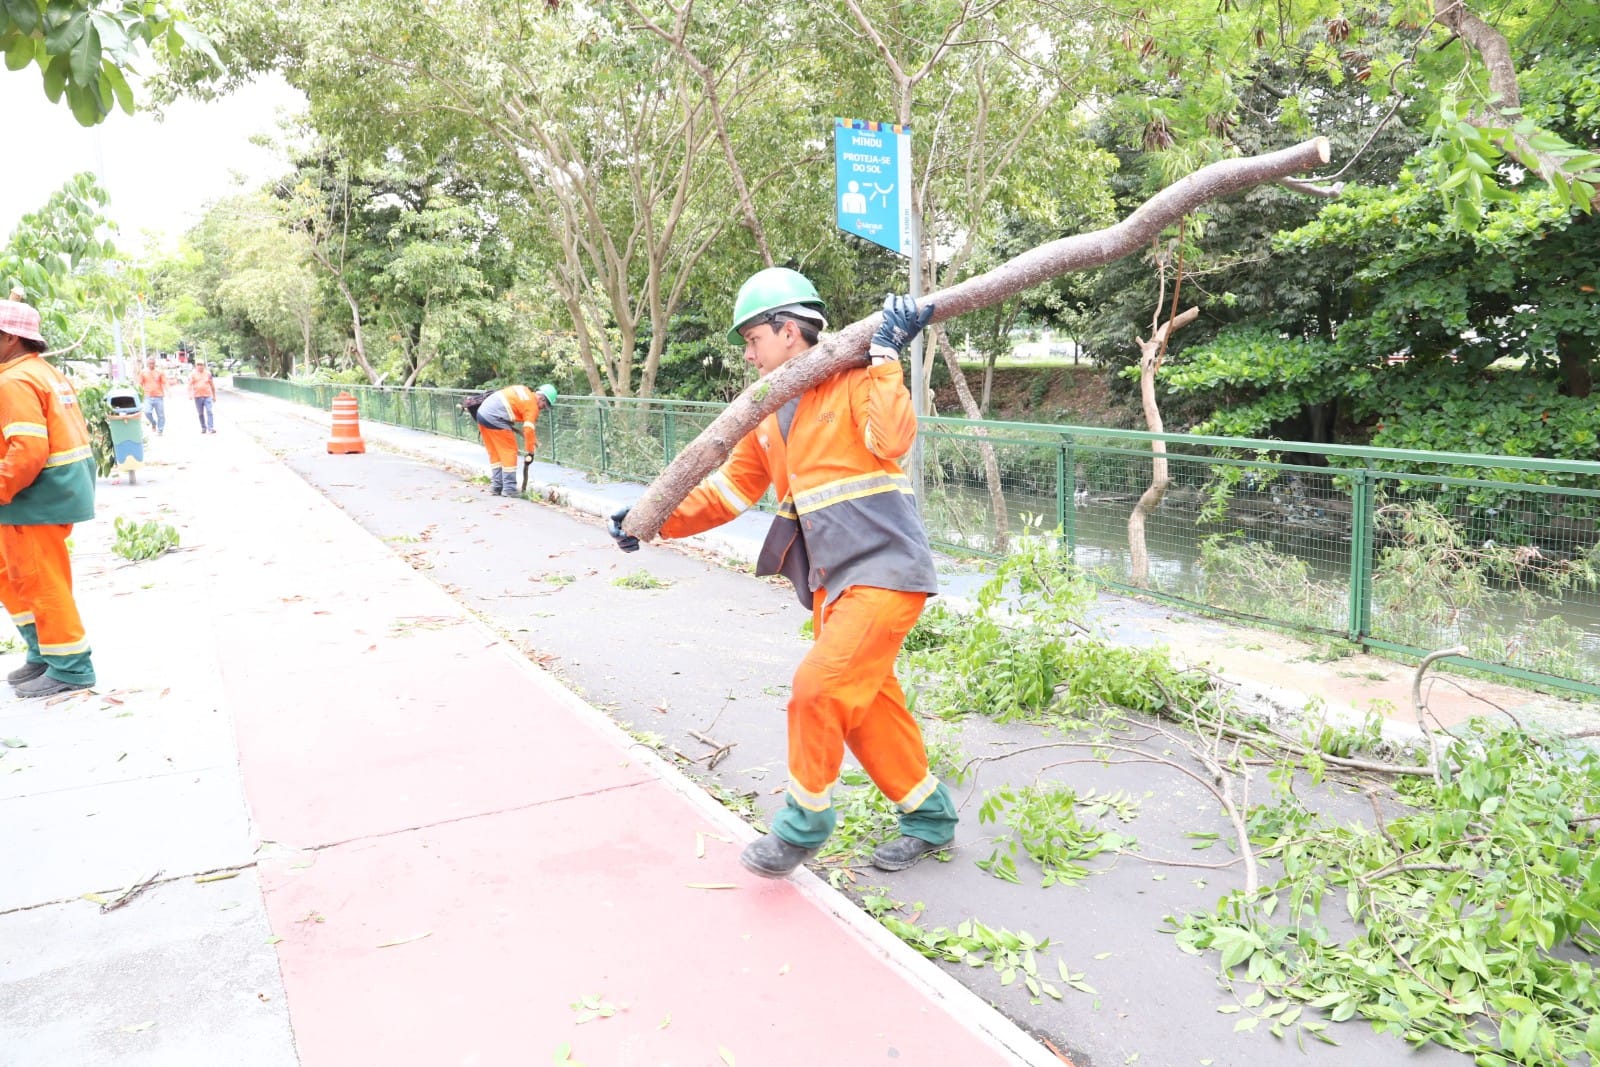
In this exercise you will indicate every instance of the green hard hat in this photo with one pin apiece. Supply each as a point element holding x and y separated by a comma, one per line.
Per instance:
<point>547,391</point>
<point>768,289</point>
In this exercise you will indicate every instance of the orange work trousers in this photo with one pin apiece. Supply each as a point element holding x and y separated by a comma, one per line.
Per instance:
<point>845,693</point>
<point>501,446</point>
<point>36,588</point>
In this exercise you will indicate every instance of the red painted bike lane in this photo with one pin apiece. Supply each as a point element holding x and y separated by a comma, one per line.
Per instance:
<point>466,864</point>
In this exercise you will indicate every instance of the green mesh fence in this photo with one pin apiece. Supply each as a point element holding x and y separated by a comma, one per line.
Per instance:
<point>1405,551</point>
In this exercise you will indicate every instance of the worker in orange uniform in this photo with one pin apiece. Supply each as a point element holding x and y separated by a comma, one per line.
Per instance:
<point>848,535</point>
<point>203,391</point>
<point>46,485</point>
<point>499,417</point>
<point>153,384</point>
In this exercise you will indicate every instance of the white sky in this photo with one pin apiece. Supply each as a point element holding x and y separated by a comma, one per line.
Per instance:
<point>160,174</point>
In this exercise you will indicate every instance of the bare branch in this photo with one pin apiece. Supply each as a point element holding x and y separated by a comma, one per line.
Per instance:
<point>1421,708</point>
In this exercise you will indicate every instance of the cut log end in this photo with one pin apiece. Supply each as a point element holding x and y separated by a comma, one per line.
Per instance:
<point>1324,149</point>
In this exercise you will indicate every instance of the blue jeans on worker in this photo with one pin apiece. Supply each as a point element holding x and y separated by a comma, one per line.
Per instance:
<point>155,410</point>
<point>202,405</point>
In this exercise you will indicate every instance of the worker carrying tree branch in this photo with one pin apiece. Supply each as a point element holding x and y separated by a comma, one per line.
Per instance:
<point>499,415</point>
<point>848,535</point>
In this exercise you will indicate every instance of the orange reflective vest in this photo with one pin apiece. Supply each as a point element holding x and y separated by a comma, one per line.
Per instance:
<point>522,406</point>
<point>47,466</point>
<point>847,514</point>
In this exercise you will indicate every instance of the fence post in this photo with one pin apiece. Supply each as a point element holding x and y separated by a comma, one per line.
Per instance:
<point>1066,498</point>
<point>1361,519</point>
<point>1062,489</point>
<point>605,459</point>
<point>667,443</point>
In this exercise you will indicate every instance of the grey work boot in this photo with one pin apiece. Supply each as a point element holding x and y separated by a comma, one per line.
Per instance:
<point>902,852</point>
<point>46,686</point>
<point>494,483</point>
<point>25,673</point>
<point>773,857</point>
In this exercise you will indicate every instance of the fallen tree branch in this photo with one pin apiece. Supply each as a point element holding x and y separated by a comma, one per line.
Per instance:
<point>1422,708</point>
<point>848,347</point>
<point>129,893</point>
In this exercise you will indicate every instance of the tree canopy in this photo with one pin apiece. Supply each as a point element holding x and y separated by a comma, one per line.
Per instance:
<point>487,191</point>
<point>86,50</point>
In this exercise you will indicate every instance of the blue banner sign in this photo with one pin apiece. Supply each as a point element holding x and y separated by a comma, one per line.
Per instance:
<point>872,172</point>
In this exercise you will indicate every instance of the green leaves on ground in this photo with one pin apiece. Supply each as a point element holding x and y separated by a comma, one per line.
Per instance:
<point>1466,913</point>
<point>1471,920</point>
<point>143,540</point>
<point>640,579</point>
<point>1055,827</point>
<point>1012,955</point>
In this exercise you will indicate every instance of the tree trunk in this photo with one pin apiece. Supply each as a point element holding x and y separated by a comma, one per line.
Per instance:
<point>1577,370</point>
<point>1149,360</point>
<point>358,346</point>
<point>848,347</point>
<point>991,465</point>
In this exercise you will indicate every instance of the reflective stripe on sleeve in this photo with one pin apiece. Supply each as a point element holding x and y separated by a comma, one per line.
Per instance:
<point>730,495</point>
<point>26,429</point>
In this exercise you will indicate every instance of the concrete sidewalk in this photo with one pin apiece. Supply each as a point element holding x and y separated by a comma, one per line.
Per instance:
<point>378,834</point>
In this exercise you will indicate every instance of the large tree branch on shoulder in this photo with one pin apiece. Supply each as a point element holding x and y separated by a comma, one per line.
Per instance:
<point>848,347</point>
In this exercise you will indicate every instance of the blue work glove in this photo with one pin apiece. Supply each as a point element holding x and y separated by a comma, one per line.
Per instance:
<point>626,542</point>
<point>902,321</point>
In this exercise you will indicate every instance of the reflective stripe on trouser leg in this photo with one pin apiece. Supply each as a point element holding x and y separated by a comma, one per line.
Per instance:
<point>36,579</point>
<point>845,690</point>
<point>934,819</point>
<point>501,445</point>
<point>926,810</point>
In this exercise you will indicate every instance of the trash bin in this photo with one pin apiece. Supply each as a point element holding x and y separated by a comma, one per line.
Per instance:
<point>125,419</point>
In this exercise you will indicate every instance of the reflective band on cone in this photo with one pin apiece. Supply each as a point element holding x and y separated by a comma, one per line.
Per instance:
<point>346,426</point>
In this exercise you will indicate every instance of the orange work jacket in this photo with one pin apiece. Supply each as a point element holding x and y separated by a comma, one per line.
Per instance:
<point>200,384</point>
<point>46,462</point>
<point>153,382</point>
<point>847,514</point>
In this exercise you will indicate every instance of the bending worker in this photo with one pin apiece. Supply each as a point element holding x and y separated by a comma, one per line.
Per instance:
<point>498,418</point>
<point>46,485</point>
<point>848,535</point>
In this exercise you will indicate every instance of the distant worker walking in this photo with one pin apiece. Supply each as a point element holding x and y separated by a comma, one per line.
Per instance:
<point>153,384</point>
<point>848,535</point>
<point>46,485</point>
<point>499,415</point>
<point>204,391</point>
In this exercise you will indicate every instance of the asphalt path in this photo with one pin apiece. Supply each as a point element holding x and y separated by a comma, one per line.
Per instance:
<point>695,658</point>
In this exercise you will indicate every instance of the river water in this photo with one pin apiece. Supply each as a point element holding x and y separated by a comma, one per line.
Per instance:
<point>1303,583</point>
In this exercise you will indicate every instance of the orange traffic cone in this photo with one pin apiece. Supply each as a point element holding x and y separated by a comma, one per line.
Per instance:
<point>346,426</point>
